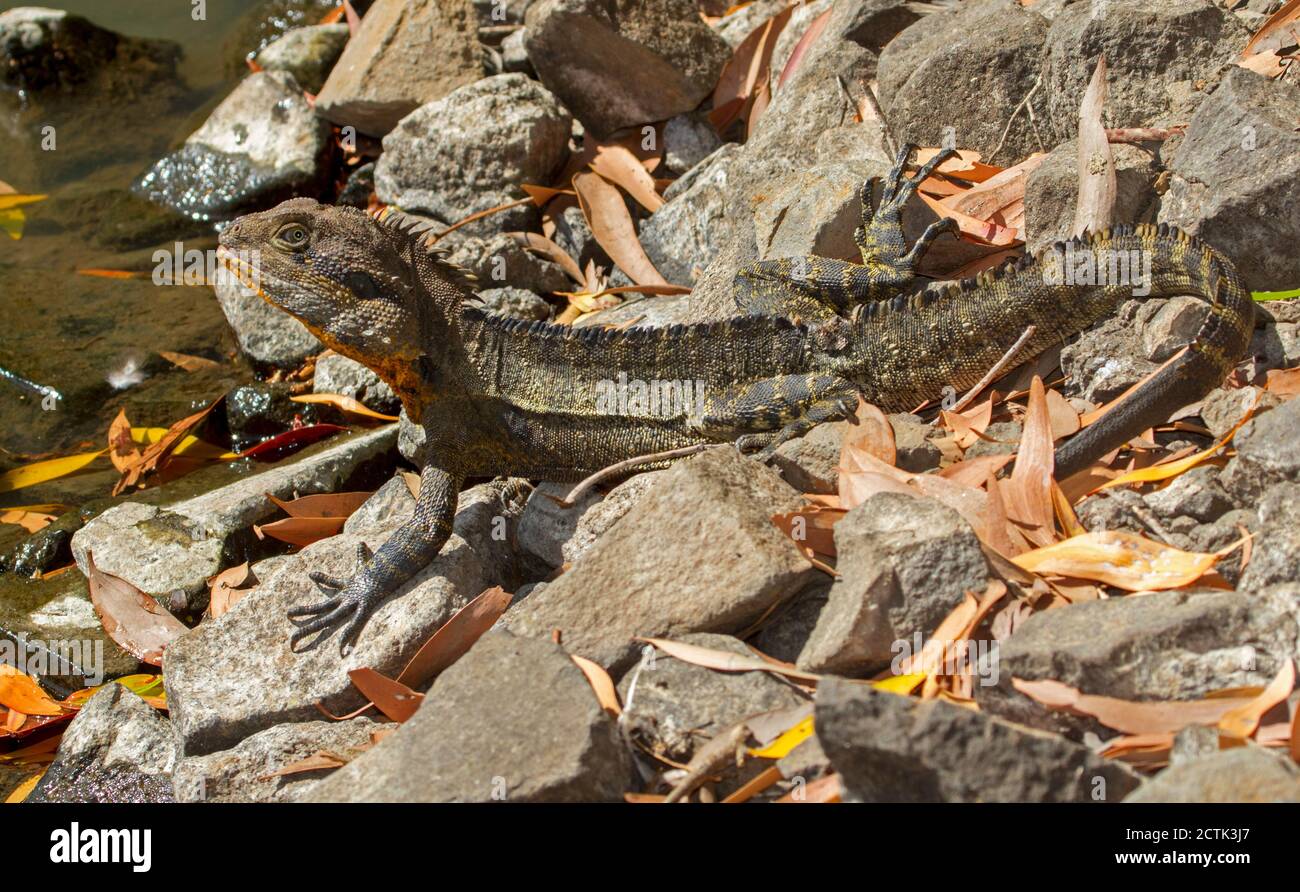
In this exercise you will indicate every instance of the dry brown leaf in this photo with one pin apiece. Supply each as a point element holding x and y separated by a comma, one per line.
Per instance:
<point>617,164</point>
<point>1095,208</point>
<point>1131,717</point>
<point>1064,420</point>
<point>323,759</point>
<point>228,587</point>
<point>1119,558</point>
<point>393,698</point>
<point>325,504</point>
<point>456,636</point>
<point>1028,493</point>
<point>602,205</point>
<point>139,625</point>
<point>725,661</point>
<point>1283,382</point>
<point>1242,720</point>
<point>300,531</point>
<point>601,684</point>
<point>871,433</point>
<point>812,527</point>
<point>540,244</point>
<point>187,362</point>
<point>1281,29</point>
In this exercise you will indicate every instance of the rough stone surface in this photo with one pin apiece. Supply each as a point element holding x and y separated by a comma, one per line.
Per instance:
<point>336,373</point>
<point>407,53</point>
<point>261,145</point>
<point>625,62</point>
<point>557,535</point>
<point>1242,774</point>
<point>243,773</point>
<point>697,553</point>
<point>265,334</point>
<point>169,552</point>
<point>513,720</point>
<point>499,261</point>
<point>1267,452</point>
<point>307,53</point>
<point>677,707</point>
<point>683,236</point>
<point>517,302</point>
<point>1169,645</point>
<point>811,463</point>
<point>471,149</point>
<point>117,748</point>
<point>1236,177</point>
<point>905,562</point>
<point>688,140</point>
<point>888,748</point>
<point>1276,554</point>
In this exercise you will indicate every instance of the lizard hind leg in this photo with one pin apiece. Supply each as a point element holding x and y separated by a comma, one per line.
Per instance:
<point>880,237</point>
<point>763,415</point>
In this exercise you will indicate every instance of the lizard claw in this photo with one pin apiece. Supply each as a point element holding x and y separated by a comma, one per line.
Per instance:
<point>316,622</point>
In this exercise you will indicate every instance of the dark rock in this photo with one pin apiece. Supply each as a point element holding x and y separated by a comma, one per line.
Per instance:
<point>619,63</point>
<point>360,186</point>
<point>255,412</point>
<point>786,633</point>
<point>888,748</point>
<point>513,720</point>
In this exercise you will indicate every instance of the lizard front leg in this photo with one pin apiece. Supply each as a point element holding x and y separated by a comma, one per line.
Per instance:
<point>764,414</point>
<point>410,549</point>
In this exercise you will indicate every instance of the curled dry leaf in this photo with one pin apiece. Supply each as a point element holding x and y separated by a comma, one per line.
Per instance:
<point>346,404</point>
<point>1028,493</point>
<point>228,587</point>
<point>1119,558</point>
<point>1141,717</point>
<point>601,684</point>
<point>540,244</point>
<point>1242,721</point>
<point>617,164</point>
<point>139,625</point>
<point>602,205</point>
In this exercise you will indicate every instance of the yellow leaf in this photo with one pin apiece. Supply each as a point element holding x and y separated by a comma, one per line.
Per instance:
<point>12,222</point>
<point>1120,559</point>
<point>42,471</point>
<point>190,445</point>
<point>781,747</point>
<point>13,200</point>
<point>899,684</point>
<point>23,790</point>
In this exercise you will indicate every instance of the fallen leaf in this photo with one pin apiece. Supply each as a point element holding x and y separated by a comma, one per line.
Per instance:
<point>326,504</point>
<point>1279,30</point>
<point>300,531</point>
<point>540,244</point>
<point>139,625</point>
<point>801,48</point>
<point>1028,493</point>
<point>187,362</point>
<point>824,789</point>
<point>607,215</point>
<point>228,587</point>
<point>394,699</point>
<point>31,521</point>
<point>43,471</point>
<point>1118,558</point>
<point>456,636</point>
<point>1131,717</point>
<point>617,164</point>
<point>20,692</point>
<point>1095,208</point>
<point>601,684</point>
<point>1242,720</point>
<point>346,404</point>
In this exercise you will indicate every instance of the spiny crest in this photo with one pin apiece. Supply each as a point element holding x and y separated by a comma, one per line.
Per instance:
<point>417,231</point>
<point>645,335</point>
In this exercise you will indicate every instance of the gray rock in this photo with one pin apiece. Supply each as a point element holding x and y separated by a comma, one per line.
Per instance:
<point>517,302</point>
<point>170,551</point>
<point>407,53</point>
<point>1170,325</point>
<point>785,634</point>
<point>501,262</point>
<point>244,773</point>
<point>117,748</point>
<point>556,535</point>
<point>888,748</point>
<point>336,373</point>
<point>1266,453</point>
<point>1243,774</point>
<point>514,53</point>
<point>389,506</point>
<point>905,562</point>
<point>513,720</point>
<point>683,236</point>
<point>677,707</point>
<point>1236,177</point>
<point>626,62</point>
<point>265,334</point>
<point>235,675</point>
<point>738,25</point>
<point>811,463</point>
<point>644,312</point>
<point>913,449</point>
<point>1195,493</point>
<point>1169,645</point>
<point>814,211</point>
<point>729,564</point>
<point>1052,191</point>
<point>261,145</point>
<point>1223,407</point>
<point>1107,359</point>
<point>471,149</point>
<point>1275,557</point>
<point>688,140</point>
<point>1003,439</point>
<point>307,53</point>
<point>1159,59</point>
<point>962,74</point>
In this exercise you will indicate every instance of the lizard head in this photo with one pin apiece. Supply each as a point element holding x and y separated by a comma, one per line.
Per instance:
<point>345,276</point>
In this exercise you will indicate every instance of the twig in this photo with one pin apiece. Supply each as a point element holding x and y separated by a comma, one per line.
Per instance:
<point>869,96</point>
<point>1015,111</point>
<point>581,489</point>
<point>477,216</point>
<point>998,368</point>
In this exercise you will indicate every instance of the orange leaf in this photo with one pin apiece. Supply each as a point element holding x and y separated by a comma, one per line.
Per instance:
<point>393,698</point>
<point>326,504</point>
<point>602,205</point>
<point>300,530</point>
<point>617,164</point>
<point>187,362</point>
<point>1243,720</point>
<point>227,588</point>
<point>1028,494</point>
<point>131,618</point>
<point>21,693</point>
<point>1140,717</point>
<point>1118,558</point>
<point>551,251</point>
<point>456,636</point>
<point>344,404</point>
<point>601,683</point>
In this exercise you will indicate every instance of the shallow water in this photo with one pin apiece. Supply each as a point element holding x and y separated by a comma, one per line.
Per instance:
<point>96,340</point>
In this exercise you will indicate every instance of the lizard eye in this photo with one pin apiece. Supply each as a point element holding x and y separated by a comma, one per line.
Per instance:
<point>292,235</point>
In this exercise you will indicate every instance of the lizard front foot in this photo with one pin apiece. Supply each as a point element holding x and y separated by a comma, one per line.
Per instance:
<point>349,608</point>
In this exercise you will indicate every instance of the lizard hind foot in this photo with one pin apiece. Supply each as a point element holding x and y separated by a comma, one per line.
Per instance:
<point>316,622</point>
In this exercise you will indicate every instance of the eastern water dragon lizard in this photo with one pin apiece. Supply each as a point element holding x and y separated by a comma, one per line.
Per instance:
<point>497,395</point>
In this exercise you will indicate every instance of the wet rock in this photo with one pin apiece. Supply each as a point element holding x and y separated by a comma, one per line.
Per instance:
<point>677,707</point>
<point>471,150</point>
<point>785,634</point>
<point>170,551</point>
<point>1243,774</point>
<point>811,463</point>
<point>407,53</point>
<point>501,262</point>
<point>888,748</point>
<point>1236,177</point>
<point>235,675</point>
<point>688,140</point>
<point>265,333</point>
<point>557,535</point>
<point>1160,57</point>
<point>1169,645</point>
<point>45,549</point>
<point>682,237</point>
<point>519,303</point>
<point>625,63</point>
<point>261,145</point>
<point>255,412</point>
<point>357,190</point>
<point>1052,191</point>
<point>244,773</point>
<point>336,373</point>
<point>905,562</point>
<point>306,53</point>
<point>1266,453</point>
<point>710,517</point>
<point>50,627</point>
<point>958,77</point>
<point>524,727</point>
<point>117,748</point>
<point>270,20</point>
